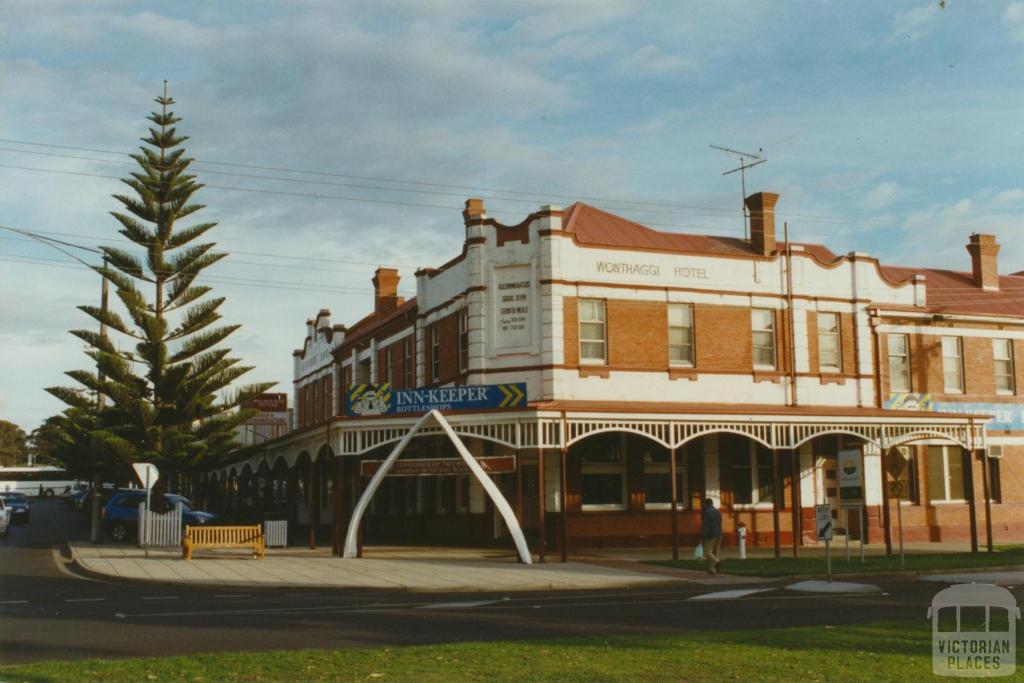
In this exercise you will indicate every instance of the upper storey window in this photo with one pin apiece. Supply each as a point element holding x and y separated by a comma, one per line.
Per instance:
<point>1002,353</point>
<point>463,340</point>
<point>593,331</point>
<point>952,365</point>
<point>763,325</point>
<point>899,363</point>
<point>828,342</point>
<point>435,353</point>
<point>680,334</point>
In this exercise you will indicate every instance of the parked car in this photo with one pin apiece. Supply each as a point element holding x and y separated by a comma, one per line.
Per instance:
<point>82,498</point>
<point>121,513</point>
<point>5,519</point>
<point>20,506</point>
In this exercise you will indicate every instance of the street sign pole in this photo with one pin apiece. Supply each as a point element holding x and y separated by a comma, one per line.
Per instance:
<point>846,522</point>
<point>863,524</point>
<point>828,559</point>
<point>823,532</point>
<point>899,521</point>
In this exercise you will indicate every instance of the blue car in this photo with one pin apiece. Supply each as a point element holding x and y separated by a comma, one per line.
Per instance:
<point>121,513</point>
<point>19,505</point>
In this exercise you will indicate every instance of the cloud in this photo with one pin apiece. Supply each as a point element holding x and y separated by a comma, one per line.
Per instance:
<point>883,195</point>
<point>650,60</point>
<point>914,24</point>
<point>1013,17</point>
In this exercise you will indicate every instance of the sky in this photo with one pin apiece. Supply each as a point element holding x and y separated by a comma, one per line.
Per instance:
<point>337,136</point>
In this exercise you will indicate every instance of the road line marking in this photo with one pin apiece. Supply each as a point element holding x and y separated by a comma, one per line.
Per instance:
<point>730,594</point>
<point>84,599</point>
<point>13,602</point>
<point>459,605</point>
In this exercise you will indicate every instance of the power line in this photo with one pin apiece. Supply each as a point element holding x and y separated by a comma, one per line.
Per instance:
<point>633,205</point>
<point>215,279</point>
<point>707,230</point>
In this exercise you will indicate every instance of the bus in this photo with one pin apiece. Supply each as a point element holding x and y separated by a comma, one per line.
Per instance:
<point>44,481</point>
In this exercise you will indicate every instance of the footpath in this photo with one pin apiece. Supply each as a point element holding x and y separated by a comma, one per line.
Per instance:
<point>387,568</point>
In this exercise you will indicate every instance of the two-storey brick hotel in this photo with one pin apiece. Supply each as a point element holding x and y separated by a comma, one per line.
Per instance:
<point>662,368</point>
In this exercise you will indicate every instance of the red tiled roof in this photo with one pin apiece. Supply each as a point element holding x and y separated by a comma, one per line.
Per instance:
<point>594,227</point>
<point>951,291</point>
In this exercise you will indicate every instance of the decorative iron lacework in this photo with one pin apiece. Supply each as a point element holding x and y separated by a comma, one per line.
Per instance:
<point>551,432</point>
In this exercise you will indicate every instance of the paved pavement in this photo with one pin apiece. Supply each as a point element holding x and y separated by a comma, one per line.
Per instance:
<point>393,569</point>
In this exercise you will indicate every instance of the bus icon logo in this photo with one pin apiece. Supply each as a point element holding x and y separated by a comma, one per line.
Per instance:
<point>974,631</point>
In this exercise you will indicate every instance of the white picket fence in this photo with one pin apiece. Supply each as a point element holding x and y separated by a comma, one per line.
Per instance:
<point>275,533</point>
<point>159,531</point>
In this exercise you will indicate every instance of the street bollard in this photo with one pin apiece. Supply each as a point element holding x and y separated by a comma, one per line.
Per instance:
<point>741,534</point>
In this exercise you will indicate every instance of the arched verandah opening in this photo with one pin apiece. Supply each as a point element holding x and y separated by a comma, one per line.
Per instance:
<point>431,498</point>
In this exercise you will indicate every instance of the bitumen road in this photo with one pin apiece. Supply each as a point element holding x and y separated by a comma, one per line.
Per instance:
<point>49,612</point>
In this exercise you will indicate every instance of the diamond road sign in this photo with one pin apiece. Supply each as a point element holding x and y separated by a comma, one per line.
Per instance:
<point>897,461</point>
<point>362,400</point>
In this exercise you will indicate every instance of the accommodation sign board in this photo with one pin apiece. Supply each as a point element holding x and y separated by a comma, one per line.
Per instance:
<point>421,467</point>
<point>363,400</point>
<point>1004,415</point>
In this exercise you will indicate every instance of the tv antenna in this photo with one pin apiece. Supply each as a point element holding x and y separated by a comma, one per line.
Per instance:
<point>747,160</point>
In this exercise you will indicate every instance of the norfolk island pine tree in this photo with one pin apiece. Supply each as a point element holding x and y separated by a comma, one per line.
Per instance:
<point>172,400</point>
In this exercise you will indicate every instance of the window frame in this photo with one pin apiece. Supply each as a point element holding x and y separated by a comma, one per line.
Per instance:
<point>688,334</point>
<point>665,469</point>
<point>410,362</point>
<point>388,359</point>
<point>951,364</point>
<point>906,376</point>
<point>463,341</point>
<point>756,501</point>
<point>835,333</point>
<point>770,331</point>
<point>615,447</point>
<point>435,353</point>
<point>602,320</point>
<point>945,450</point>
<point>1010,372</point>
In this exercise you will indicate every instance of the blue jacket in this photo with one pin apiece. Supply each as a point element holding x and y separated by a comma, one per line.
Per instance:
<point>711,523</point>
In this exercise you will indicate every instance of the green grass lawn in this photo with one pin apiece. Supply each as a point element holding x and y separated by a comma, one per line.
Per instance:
<point>1004,556</point>
<point>889,651</point>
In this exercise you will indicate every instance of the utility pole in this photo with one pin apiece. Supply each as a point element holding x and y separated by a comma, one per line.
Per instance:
<point>97,479</point>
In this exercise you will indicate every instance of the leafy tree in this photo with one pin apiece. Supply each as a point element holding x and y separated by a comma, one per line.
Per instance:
<point>169,401</point>
<point>13,449</point>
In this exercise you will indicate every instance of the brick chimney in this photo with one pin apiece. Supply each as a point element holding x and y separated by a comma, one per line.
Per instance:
<point>474,210</point>
<point>385,290</point>
<point>984,265</point>
<point>761,207</point>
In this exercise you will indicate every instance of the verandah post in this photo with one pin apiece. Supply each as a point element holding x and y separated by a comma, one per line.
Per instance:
<point>563,486</point>
<point>777,494</point>
<point>541,505</point>
<point>675,503</point>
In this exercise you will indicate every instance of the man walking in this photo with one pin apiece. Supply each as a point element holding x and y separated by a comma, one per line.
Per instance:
<point>711,533</point>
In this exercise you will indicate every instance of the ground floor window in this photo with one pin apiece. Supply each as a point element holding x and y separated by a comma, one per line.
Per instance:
<point>995,481</point>
<point>910,490</point>
<point>750,473</point>
<point>945,474</point>
<point>603,473</point>
<point>658,479</point>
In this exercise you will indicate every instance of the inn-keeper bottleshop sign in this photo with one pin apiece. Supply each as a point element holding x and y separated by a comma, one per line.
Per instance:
<point>1004,415</point>
<point>363,400</point>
